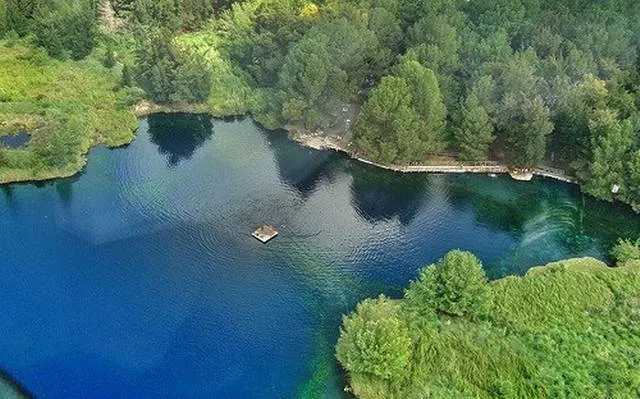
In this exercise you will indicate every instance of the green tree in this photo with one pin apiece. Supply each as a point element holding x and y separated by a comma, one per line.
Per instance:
<point>572,135</point>
<point>474,131</point>
<point>167,75</point>
<point>607,169</point>
<point>19,14</point>
<point>195,13</point>
<point>123,8</point>
<point>626,250</point>
<point>385,25</point>
<point>164,14</point>
<point>66,27</point>
<point>374,342</point>
<point>387,127</point>
<point>354,49</point>
<point>194,79</point>
<point>427,103</point>
<point>311,80</point>
<point>456,286</point>
<point>259,35</point>
<point>633,180</point>
<point>524,123</point>
<point>157,65</point>
<point>404,117</point>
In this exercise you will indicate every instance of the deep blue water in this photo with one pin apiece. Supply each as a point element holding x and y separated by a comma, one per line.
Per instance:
<point>139,277</point>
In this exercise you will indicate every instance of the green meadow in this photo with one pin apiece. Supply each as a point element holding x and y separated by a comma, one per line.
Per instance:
<point>66,106</point>
<point>566,330</point>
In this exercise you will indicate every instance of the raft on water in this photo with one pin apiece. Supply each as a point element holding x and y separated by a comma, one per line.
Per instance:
<point>265,233</point>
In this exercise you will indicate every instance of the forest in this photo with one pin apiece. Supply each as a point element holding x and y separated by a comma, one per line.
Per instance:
<point>566,330</point>
<point>522,82</point>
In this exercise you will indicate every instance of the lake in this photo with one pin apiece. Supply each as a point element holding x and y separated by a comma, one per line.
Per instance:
<point>139,277</point>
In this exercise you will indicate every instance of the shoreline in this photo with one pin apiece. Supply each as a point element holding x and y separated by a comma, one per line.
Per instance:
<point>139,111</point>
<point>307,140</point>
<point>332,143</point>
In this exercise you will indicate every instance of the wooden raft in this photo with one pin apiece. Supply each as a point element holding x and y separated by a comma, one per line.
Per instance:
<point>265,233</point>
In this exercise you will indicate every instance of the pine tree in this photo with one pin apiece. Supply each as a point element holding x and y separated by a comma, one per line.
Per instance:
<point>427,104</point>
<point>474,133</point>
<point>110,58</point>
<point>388,126</point>
<point>525,125</point>
<point>19,15</point>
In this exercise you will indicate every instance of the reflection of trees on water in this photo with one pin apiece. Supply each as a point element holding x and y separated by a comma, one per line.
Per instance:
<point>7,191</point>
<point>178,136</point>
<point>64,187</point>
<point>380,195</point>
<point>300,168</point>
<point>495,206</point>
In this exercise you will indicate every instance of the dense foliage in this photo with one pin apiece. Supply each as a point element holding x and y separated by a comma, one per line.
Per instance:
<point>569,329</point>
<point>626,251</point>
<point>524,82</point>
<point>66,106</point>
<point>63,27</point>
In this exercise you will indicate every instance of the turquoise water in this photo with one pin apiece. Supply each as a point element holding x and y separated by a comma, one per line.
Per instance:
<point>139,277</point>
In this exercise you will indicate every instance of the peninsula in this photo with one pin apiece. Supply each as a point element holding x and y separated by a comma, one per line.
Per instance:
<point>456,335</point>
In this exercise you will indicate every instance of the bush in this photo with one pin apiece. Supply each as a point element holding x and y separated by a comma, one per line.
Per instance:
<point>129,96</point>
<point>455,286</point>
<point>3,158</point>
<point>11,38</point>
<point>626,250</point>
<point>374,341</point>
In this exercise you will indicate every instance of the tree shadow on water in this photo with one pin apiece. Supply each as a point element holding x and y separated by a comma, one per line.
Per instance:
<point>300,168</point>
<point>179,135</point>
<point>380,195</point>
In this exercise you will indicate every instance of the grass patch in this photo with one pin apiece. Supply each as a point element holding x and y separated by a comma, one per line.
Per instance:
<point>66,106</point>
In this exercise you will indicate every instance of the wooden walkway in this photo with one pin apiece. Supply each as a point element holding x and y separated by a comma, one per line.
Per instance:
<point>336,144</point>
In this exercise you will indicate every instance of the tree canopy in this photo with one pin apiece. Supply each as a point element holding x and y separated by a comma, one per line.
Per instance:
<point>525,83</point>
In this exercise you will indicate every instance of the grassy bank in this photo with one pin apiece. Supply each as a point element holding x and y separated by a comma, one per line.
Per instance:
<point>66,106</point>
<point>565,330</point>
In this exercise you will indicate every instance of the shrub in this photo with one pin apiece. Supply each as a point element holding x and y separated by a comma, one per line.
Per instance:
<point>626,250</point>
<point>455,286</point>
<point>374,341</point>
<point>129,96</point>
